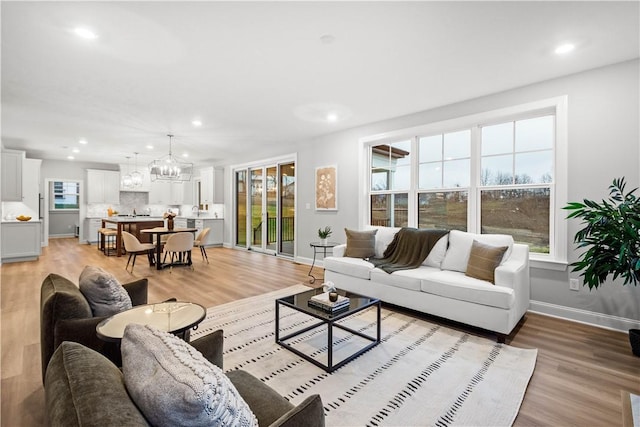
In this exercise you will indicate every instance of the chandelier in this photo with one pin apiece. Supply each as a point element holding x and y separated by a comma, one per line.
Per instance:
<point>127,180</point>
<point>169,168</point>
<point>136,177</point>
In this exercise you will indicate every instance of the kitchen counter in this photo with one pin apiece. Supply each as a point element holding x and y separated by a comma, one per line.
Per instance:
<point>15,221</point>
<point>128,219</point>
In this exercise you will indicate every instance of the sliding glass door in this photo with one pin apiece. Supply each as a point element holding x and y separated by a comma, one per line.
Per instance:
<point>265,214</point>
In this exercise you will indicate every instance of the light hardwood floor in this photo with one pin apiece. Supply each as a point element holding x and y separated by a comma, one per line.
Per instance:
<point>578,378</point>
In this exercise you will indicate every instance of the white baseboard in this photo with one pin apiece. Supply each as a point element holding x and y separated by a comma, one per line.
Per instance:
<point>308,261</point>
<point>592,318</point>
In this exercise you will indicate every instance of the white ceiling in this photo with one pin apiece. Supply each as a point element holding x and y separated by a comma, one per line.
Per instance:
<point>260,74</point>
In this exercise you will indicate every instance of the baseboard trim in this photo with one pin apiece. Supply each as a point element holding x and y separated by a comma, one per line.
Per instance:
<point>308,261</point>
<point>592,318</point>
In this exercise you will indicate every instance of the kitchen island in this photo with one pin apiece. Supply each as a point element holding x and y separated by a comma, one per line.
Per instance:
<point>133,225</point>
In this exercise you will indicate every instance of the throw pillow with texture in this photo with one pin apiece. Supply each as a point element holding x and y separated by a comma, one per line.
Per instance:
<point>103,292</point>
<point>457,256</point>
<point>483,261</point>
<point>360,244</point>
<point>173,384</point>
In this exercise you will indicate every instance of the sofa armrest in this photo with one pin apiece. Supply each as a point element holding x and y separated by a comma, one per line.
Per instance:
<point>137,290</point>
<point>83,331</point>
<point>514,274</point>
<point>338,251</point>
<point>309,413</point>
<point>211,347</point>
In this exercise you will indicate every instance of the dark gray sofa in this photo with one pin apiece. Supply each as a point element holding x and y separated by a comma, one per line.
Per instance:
<point>84,388</point>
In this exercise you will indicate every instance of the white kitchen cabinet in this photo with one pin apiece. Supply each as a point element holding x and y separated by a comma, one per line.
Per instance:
<point>103,186</point>
<point>145,185</point>
<point>21,241</point>
<point>180,223</point>
<point>166,193</point>
<point>215,235</point>
<point>211,186</point>
<point>91,227</point>
<point>31,184</point>
<point>12,175</point>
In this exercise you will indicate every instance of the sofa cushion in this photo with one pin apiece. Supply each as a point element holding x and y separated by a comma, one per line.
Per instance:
<point>452,284</point>
<point>438,251</point>
<point>83,388</point>
<point>483,260</point>
<point>360,244</point>
<point>407,279</point>
<point>173,384</point>
<point>354,267</point>
<point>103,292</point>
<point>457,256</point>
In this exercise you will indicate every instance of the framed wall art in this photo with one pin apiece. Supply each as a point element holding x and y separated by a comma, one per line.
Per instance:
<point>327,188</point>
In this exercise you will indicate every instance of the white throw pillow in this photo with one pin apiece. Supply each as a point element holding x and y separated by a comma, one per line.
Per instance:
<point>460,242</point>
<point>439,250</point>
<point>173,384</point>
<point>384,236</point>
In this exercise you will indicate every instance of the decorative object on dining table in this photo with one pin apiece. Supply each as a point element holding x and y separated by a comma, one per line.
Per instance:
<point>323,234</point>
<point>169,216</point>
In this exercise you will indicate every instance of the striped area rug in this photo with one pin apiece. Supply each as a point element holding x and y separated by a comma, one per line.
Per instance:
<point>421,374</point>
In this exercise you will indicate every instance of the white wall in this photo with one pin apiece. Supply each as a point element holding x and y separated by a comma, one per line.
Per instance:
<point>604,143</point>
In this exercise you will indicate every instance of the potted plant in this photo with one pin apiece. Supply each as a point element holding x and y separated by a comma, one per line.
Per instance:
<point>611,234</point>
<point>323,234</point>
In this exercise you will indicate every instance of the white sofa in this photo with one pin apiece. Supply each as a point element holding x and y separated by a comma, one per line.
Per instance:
<point>439,286</point>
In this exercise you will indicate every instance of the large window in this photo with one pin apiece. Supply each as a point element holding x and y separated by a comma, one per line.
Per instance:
<point>65,195</point>
<point>495,172</point>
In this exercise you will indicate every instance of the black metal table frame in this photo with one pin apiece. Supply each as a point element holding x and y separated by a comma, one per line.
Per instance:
<point>329,367</point>
<point>318,246</point>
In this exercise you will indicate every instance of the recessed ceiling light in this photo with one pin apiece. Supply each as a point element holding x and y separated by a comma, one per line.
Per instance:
<point>332,117</point>
<point>75,150</point>
<point>149,147</point>
<point>565,48</point>
<point>70,157</point>
<point>327,38</point>
<point>196,123</point>
<point>185,155</point>
<point>85,33</point>
<point>82,141</point>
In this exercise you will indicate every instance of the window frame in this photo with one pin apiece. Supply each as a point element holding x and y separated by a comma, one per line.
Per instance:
<point>53,194</point>
<point>557,106</point>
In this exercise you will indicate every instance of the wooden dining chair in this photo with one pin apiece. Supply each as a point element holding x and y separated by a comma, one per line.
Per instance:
<point>133,247</point>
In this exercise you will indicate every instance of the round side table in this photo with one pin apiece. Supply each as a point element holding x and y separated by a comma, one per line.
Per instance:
<point>319,247</point>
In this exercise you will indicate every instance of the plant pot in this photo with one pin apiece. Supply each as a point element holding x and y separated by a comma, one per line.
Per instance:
<point>634,339</point>
<point>324,241</point>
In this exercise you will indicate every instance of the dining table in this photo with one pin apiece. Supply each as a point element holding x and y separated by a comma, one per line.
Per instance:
<point>158,232</point>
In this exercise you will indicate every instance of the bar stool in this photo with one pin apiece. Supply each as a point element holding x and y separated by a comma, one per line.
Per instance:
<point>109,247</point>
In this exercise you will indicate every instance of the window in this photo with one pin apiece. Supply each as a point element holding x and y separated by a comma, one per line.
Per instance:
<point>495,172</point>
<point>65,195</point>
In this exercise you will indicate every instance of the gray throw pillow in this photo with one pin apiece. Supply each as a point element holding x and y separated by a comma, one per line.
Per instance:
<point>360,244</point>
<point>173,384</point>
<point>103,292</point>
<point>483,261</point>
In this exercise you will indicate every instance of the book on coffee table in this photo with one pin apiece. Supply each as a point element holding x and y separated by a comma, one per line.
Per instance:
<point>322,301</point>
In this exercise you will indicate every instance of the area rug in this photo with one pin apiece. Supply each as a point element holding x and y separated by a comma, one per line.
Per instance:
<point>421,374</point>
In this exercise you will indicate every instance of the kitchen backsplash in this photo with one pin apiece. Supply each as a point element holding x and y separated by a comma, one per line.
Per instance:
<point>139,201</point>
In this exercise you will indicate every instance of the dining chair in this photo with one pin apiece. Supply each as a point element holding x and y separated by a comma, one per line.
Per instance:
<point>200,241</point>
<point>179,245</point>
<point>134,248</point>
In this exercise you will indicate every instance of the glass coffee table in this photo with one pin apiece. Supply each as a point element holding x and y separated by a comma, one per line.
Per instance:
<point>176,317</point>
<point>300,302</point>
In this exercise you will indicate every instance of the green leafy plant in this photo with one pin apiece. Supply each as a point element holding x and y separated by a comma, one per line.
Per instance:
<point>612,235</point>
<point>324,233</point>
